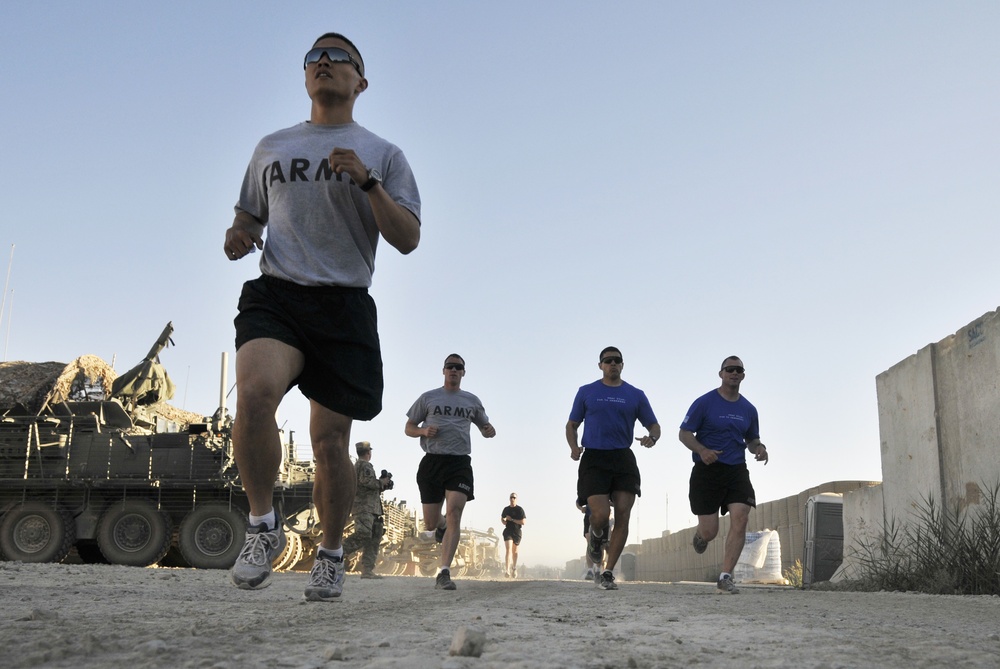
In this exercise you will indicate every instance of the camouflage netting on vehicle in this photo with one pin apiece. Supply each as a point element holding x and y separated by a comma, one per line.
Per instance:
<point>26,387</point>
<point>33,384</point>
<point>181,417</point>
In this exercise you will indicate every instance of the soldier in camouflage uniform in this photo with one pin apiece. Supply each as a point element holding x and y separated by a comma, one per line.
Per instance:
<point>369,525</point>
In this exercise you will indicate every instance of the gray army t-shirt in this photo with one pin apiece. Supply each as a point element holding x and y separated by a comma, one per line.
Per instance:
<point>452,411</point>
<point>320,227</point>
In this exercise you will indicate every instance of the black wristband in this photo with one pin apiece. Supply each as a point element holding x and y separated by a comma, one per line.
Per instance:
<point>655,439</point>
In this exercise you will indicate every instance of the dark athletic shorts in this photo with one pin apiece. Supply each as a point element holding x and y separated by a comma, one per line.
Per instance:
<point>335,328</point>
<point>714,487</point>
<point>438,473</point>
<point>605,472</point>
<point>512,536</point>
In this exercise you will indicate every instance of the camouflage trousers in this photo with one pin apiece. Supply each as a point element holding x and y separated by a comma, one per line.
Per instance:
<point>367,537</point>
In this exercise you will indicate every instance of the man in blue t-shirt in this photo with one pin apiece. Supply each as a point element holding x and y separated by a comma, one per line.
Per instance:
<point>608,474</point>
<point>718,429</point>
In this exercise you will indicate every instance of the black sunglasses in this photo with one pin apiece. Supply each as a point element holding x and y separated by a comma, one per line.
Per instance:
<point>611,360</point>
<point>733,368</point>
<point>335,54</point>
<point>455,365</point>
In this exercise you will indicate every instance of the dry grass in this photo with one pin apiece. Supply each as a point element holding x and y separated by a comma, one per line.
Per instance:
<point>943,551</point>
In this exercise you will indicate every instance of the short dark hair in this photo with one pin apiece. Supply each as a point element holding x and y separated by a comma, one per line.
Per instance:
<point>349,43</point>
<point>610,348</point>
<point>727,359</point>
<point>454,355</point>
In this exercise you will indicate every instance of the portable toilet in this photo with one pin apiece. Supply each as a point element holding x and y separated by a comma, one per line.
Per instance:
<point>628,567</point>
<point>824,537</point>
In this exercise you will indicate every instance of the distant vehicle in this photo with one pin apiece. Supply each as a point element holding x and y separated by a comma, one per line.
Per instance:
<point>121,478</point>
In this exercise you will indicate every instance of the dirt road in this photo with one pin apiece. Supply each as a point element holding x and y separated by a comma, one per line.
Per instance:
<point>113,616</point>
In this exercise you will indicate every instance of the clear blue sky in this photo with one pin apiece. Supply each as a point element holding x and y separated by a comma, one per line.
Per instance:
<point>811,186</point>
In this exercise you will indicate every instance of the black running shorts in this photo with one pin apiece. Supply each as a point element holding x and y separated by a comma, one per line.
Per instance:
<point>603,472</point>
<point>714,487</point>
<point>438,473</point>
<point>335,328</point>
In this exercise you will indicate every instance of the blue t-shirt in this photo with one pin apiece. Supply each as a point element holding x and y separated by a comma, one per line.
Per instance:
<point>722,425</point>
<point>609,414</point>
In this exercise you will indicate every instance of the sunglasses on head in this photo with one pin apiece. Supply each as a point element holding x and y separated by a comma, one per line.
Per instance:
<point>455,365</point>
<point>612,360</point>
<point>335,54</point>
<point>733,368</point>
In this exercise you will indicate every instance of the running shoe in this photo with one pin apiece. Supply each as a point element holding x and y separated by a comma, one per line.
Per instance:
<point>252,569</point>
<point>726,586</point>
<point>326,580</point>
<point>700,545</point>
<point>444,582</point>
<point>607,581</point>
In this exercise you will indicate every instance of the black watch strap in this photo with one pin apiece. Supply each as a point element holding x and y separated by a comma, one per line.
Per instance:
<point>373,178</point>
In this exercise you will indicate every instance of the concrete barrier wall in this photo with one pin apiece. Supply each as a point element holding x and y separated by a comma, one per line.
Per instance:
<point>863,524</point>
<point>939,421</point>
<point>907,419</point>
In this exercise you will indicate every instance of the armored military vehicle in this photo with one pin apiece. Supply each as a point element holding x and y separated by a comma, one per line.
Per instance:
<point>100,463</point>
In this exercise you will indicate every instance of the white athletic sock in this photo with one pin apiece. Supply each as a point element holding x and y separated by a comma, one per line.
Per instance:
<point>331,552</point>
<point>725,574</point>
<point>267,518</point>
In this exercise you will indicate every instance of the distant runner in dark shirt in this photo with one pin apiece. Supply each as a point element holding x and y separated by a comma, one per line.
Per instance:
<point>514,519</point>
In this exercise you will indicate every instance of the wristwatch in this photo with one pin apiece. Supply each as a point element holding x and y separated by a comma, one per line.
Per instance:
<point>374,177</point>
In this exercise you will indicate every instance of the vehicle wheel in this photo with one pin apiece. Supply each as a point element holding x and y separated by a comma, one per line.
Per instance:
<point>37,532</point>
<point>134,532</point>
<point>427,568</point>
<point>292,553</point>
<point>353,563</point>
<point>212,535</point>
<point>308,558</point>
<point>90,552</point>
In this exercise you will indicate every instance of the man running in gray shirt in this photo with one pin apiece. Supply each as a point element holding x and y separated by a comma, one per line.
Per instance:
<point>442,418</point>
<point>325,190</point>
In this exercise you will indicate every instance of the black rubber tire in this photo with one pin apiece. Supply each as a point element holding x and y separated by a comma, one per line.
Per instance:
<point>134,532</point>
<point>37,532</point>
<point>212,535</point>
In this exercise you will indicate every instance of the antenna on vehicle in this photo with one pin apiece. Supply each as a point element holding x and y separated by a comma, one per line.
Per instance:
<point>222,384</point>
<point>7,338</point>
